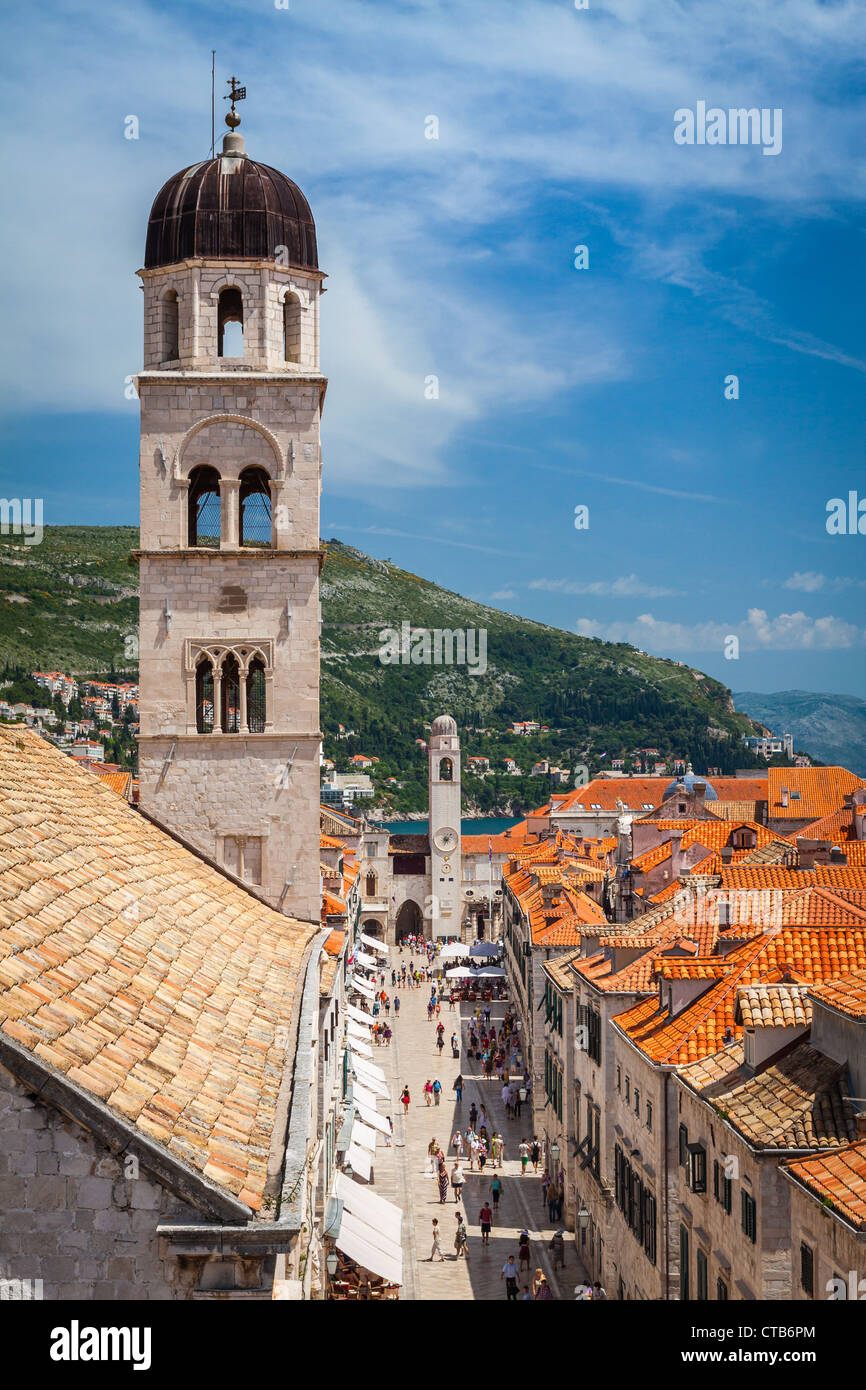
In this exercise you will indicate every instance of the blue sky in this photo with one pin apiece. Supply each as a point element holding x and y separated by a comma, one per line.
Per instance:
<point>454,258</point>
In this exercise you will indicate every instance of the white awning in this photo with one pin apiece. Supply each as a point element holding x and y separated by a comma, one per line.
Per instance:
<point>370,1207</point>
<point>364,1245</point>
<point>360,1161</point>
<point>363,1135</point>
<point>372,1083</point>
<point>363,1096</point>
<point>484,948</point>
<point>454,949</point>
<point>357,1044</point>
<point>369,1069</point>
<point>361,958</point>
<point>376,945</point>
<point>358,1015</point>
<point>491,972</point>
<point>362,986</point>
<point>459,973</point>
<point>372,1118</point>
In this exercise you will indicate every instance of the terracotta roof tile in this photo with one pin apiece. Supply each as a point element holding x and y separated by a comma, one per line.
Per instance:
<point>774,1006</point>
<point>837,1178</point>
<point>847,994</point>
<point>140,972</point>
<point>822,791</point>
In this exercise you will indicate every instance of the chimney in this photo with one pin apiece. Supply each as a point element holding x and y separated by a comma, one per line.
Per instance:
<point>676,853</point>
<point>784,796</point>
<point>860,1124</point>
<point>812,852</point>
<point>727,854</point>
<point>837,856</point>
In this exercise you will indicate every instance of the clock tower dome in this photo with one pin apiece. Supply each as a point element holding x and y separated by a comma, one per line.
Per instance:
<point>446,869</point>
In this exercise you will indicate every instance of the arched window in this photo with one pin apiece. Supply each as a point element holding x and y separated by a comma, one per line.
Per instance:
<point>204,506</point>
<point>204,697</point>
<point>371,885</point>
<point>169,351</point>
<point>230,323</point>
<point>255,505</point>
<point>446,770</point>
<point>231,696</point>
<point>256,697</point>
<point>292,328</point>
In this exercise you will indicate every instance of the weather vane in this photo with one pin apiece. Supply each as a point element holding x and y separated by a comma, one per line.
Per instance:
<point>237,93</point>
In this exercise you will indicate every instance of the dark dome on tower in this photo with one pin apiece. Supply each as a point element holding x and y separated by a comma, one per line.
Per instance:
<point>230,208</point>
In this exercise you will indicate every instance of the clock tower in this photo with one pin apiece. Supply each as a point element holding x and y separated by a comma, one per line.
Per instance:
<point>446,869</point>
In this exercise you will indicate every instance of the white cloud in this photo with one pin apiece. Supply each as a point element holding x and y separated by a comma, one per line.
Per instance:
<point>807,581</point>
<point>757,632</point>
<point>627,586</point>
<point>504,594</point>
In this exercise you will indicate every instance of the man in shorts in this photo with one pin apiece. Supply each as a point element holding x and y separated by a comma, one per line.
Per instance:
<point>485,1217</point>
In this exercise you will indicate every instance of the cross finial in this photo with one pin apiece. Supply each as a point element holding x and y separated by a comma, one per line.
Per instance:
<point>237,93</point>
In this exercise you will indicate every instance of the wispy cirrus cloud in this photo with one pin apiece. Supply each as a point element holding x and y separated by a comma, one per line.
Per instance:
<point>811,582</point>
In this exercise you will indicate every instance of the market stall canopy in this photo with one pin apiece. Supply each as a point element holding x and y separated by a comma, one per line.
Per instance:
<point>460,972</point>
<point>369,1249</point>
<point>454,949</point>
<point>362,987</point>
<point>376,945</point>
<point>357,1043</point>
<point>370,1207</point>
<point>358,1015</point>
<point>369,962</point>
<point>492,972</point>
<point>484,948</point>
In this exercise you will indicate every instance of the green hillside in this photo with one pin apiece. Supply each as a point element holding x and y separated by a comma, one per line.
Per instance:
<point>70,602</point>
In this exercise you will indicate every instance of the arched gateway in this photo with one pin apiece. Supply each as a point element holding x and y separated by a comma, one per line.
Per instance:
<point>410,921</point>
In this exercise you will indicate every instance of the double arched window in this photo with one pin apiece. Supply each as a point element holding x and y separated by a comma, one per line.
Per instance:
<point>230,691</point>
<point>371,884</point>
<point>252,517</point>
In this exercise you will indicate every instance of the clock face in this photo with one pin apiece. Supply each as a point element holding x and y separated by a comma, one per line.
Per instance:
<point>445,839</point>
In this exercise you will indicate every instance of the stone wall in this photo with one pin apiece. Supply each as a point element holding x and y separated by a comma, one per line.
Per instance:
<point>71,1217</point>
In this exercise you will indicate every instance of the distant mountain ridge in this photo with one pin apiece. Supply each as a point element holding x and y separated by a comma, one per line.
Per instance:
<point>831,727</point>
<point>71,604</point>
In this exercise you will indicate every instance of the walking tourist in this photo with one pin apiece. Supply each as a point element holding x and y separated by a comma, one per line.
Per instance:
<point>485,1217</point>
<point>458,1089</point>
<point>437,1091</point>
<point>437,1247</point>
<point>523,1249</point>
<point>428,1091</point>
<point>458,1178</point>
<point>552,1200</point>
<point>509,1274</point>
<point>461,1241</point>
<point>523,1152</point>
<point>535,1152</point>
<point>432,1150</point>
<point>496,1191</point>
<point>405,1101</point>
<point>498,1152</point>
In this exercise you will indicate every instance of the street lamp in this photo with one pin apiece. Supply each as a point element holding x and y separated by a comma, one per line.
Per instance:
<point>583,1218</point>
<point>554,1154</point>
<point>331,1263</point>
<point>523,1093</point>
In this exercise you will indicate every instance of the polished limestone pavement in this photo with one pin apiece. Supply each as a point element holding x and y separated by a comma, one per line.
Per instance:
<point>402,1172</point>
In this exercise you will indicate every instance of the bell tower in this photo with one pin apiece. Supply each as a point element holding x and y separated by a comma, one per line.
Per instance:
<point>231,397</point>
<point>446,868</point>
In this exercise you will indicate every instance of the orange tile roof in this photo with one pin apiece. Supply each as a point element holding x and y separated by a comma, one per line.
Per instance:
<point>333,943</point>
<point>331,906</point>
<point>139,972</point>
<point>837,1178</point>
<point>800,1101</point>
<point>118,781</point>
<point>773,1006</point>
<point>559,969</point>
<point>815,954</point>
<point>822,791</point>
<point>330,842</point>
<point>637,792</point>
<point>847,995</point>
<point>838,827</point>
